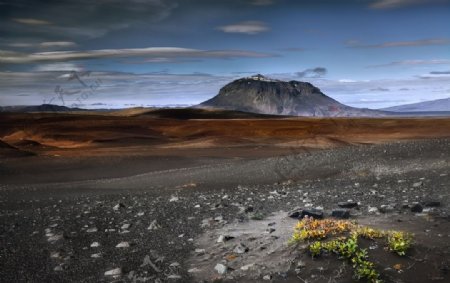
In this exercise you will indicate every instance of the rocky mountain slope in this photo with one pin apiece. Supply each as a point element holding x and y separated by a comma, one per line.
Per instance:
<point>259,94</point>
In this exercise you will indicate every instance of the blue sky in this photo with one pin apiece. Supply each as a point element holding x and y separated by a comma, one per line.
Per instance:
<point>365,53</point>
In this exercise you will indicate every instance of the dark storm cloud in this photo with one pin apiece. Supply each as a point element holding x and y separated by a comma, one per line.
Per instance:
<point>312,73</point>
<point>78,18</point>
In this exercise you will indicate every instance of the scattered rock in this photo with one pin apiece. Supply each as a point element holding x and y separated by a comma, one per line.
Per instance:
<point>417,208</point>
<point>114,272</point>
<point>92,230</point>
<point>432,203</point>
<point>220,268</point>
<point>55,238</point>
<point>224,238</point>
<point>386,208</point>
<point>295,213</point>
<point>154,225</point>
<point>317,214</point>
<point>340,213</point>
<point>200,251</point>
<point>418,184</point>
<point>240,249</point>
<point>123,245</point>
<point>348,204</point>
<point>267,277</point>
<point>299,213</point>
<point>173,199</point>
<point>372,210</point>
<point>249,209</point>
<point>125,226</point>
<point>247,266</point>
<point>119,206</point>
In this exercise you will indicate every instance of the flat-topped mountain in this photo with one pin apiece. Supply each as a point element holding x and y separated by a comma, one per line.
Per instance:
<point>260,94</point>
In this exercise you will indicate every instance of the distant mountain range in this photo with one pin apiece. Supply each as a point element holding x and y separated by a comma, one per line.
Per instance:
<point>39,108</point>
<point>259,94</point>
<point>426,106</point>
<point>264,96</point>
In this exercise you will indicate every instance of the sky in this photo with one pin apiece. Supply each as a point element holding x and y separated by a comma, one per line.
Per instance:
<point>113,53</point>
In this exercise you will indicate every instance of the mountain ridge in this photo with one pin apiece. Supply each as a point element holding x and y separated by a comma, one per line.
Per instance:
<point>425,106</point>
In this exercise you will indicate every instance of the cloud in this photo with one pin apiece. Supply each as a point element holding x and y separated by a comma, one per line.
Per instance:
<point>440,73</point>
<point>393,4</point>
<point>312,73</point>
<point>378,89</point>
<point>262,2</point>
<point>58,67</point>
<point>152,52</point>
<point>47,44</point>
<point>247,27</point>
<point>419,42</point>
<point>293,49</point>
<point>30,21</point>
<point>412,63</point>
<point>82,18</point>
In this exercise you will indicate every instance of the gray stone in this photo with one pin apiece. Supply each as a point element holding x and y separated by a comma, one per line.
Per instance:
<point>348,204</point>
<point>240,249</point>
<point>220,268</point>
<point>417,208</point>
<point>114,272</point>
<point>340,213</point>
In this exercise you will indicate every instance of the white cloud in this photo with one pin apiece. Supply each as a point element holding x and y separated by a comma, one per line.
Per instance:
<point>346,81</point>
<point>151,52</point>
<point>58,67</point>
<point>47,44</point>
<point>30,21</point>
<point>392,4</point>
<point>248,27</point>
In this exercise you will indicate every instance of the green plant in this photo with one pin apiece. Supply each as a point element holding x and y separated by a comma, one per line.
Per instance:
<point>346,244</point>
<point>399,242</point>
<point>348,248</point>
<point>315,248</point>
<point>365,269</point>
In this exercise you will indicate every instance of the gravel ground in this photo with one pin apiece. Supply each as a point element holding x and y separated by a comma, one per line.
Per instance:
<point>146,228</point>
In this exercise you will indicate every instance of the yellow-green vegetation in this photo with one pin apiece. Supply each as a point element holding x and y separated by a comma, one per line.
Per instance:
<point>344,242</point>
<point>399,242</point>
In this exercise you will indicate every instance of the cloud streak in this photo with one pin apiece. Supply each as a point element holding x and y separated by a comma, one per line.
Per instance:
<point>419,42</point>
<point>151,52</point>
<point>30,21</point>
<point>247,27</point>
<point>412,63</point>
<point>47,44</point>
<point>393,4</point>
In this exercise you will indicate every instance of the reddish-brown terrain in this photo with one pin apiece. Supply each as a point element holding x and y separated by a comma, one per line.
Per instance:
<point>216,133</point>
